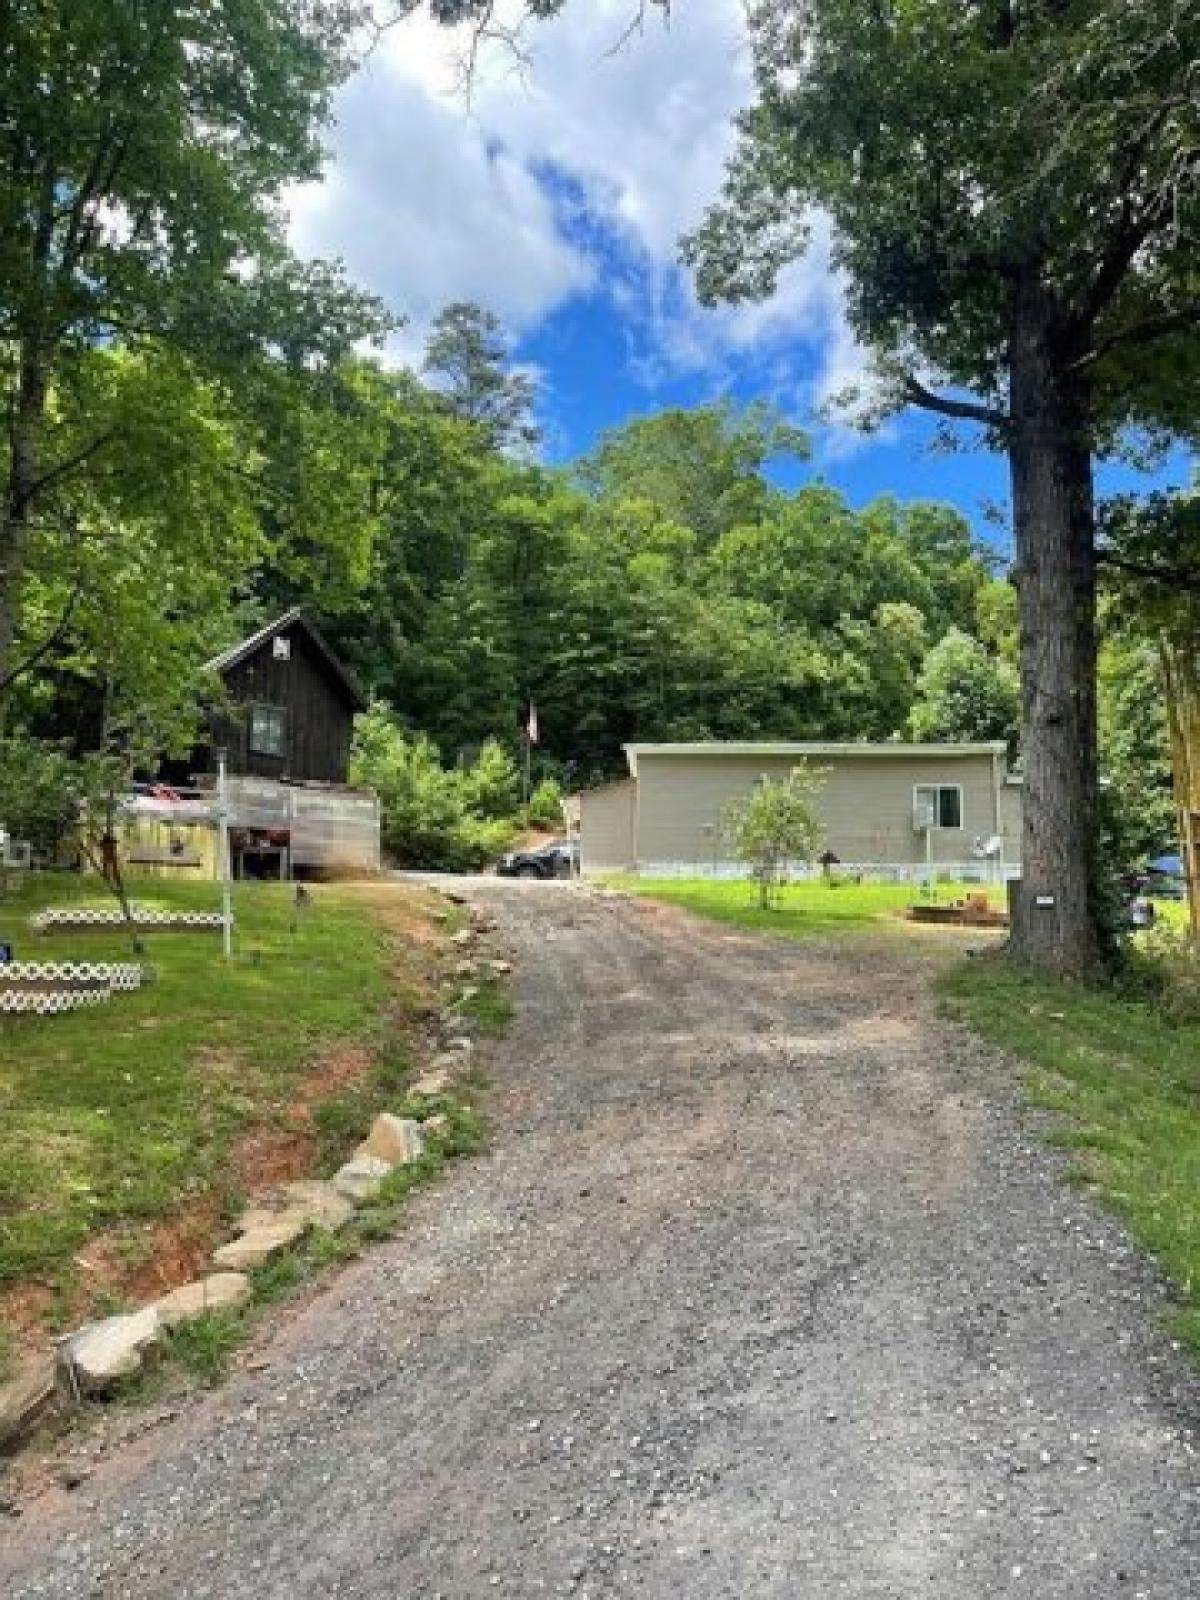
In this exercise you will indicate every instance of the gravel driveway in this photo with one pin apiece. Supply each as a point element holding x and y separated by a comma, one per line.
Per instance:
<point>767,1288</point>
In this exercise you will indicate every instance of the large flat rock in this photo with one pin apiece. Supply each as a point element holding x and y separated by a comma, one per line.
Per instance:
<point>220,1291</point>
<point>431,1084</point>
<point>318,1202</point>
<point>310,1201</point>
<point>103,1353</point>
<point>360,1179</point>
<point>260,1244</point>
<point>396,1140</point>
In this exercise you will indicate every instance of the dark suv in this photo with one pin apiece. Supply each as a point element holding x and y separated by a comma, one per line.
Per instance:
<point>558,859</point>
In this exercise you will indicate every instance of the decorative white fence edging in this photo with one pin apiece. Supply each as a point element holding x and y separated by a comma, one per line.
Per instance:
<point>30,986</point>
<point>102,917</point>
<point>52,1002</point>
<point>116,974</point>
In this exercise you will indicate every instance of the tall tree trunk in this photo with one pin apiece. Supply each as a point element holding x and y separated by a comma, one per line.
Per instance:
<point>25,429</point>
<point>1057,921</point>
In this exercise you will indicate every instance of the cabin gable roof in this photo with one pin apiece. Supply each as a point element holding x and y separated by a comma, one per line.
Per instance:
<point>293,619</point>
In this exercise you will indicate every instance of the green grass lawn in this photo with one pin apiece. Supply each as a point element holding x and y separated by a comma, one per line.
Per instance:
<point>809,909</point>
<point>114,1118</point>
<point>1124,1083</point>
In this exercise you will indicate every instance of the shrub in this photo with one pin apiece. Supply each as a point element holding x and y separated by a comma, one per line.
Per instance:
<point>545,805</point>
<point>492,787</point>
<point>39,799</point>
<point>475,842</point>
<point>1165,965</point>
<point>428,813</point>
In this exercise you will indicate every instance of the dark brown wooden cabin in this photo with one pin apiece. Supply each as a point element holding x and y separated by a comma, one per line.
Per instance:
<point>293,705</point>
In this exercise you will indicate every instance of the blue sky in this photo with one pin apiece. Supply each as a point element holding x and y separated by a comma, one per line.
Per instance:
<point>590,392</point>
<point>557,198</point>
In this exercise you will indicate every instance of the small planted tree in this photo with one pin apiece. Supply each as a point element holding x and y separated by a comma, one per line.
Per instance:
<point>775,825</point>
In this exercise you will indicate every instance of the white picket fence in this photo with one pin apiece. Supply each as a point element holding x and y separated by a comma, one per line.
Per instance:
<point>47,988</point>
<point>102,917</point>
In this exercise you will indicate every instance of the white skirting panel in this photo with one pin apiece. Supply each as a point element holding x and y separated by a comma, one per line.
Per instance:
<point>971,871</point>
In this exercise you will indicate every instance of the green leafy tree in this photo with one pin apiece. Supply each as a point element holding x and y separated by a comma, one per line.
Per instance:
<point>1135,745</point>
<point>1013,202</point>
<point>996,620</point>
<point>699,467</point>
<point>37,793</point>
<point>492,784</point>
<point>467,357</point>
<point>887,649</point>
<point>1151,549</point>
<point>965,693</point>
<point>774,825</point>
<point>137,578</point>
<point>145,150</point>
<point>431,485</point>
<point>545,808</point>
<point>152,695</point>
<point>428,812</point>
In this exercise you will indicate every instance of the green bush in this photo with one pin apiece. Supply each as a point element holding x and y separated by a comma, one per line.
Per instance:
<point>38,792</point>
<point>545,805</point>
<point>492,787</point>
<point>431,816</point>
<point>1164,964</point>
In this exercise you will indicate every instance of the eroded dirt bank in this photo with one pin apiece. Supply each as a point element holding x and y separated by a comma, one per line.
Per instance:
<point>766,1289</point>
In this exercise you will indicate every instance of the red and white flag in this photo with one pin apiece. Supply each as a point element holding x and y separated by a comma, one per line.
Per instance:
<point>531,724</point>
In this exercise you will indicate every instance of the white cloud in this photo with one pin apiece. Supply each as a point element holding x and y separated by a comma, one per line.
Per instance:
<point>576,174</point>
<point>424,211</point>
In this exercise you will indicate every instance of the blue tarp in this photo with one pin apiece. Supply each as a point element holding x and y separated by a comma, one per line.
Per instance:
<point>1169,866</point>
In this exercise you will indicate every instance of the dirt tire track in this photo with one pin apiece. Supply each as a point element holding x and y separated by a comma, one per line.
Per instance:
<point>767,1288</point>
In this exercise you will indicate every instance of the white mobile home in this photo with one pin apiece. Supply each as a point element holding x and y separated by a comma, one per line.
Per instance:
<point>885,808</point>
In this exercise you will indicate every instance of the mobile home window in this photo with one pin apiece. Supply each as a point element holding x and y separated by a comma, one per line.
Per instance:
<point>267,730</point>
<point>942,801</point>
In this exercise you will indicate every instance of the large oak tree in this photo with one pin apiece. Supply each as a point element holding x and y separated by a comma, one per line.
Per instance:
<point>1012,186</point>
<point>144,149</point>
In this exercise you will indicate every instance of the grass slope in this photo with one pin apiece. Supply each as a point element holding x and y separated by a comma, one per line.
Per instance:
<point>1125,1084</point>
<point>114,1118</point>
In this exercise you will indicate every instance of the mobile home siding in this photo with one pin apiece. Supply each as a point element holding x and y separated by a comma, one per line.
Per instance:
<point>865,804</point>
<point>606,827</point>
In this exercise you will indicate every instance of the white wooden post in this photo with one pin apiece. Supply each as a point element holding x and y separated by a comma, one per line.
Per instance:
<point>223,858</point>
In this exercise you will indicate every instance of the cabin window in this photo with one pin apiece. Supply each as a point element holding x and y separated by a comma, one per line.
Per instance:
<point>940,801</point>
<point>268,730</point>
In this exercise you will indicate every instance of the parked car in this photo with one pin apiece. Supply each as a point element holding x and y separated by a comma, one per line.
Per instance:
<point>558,859</point>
